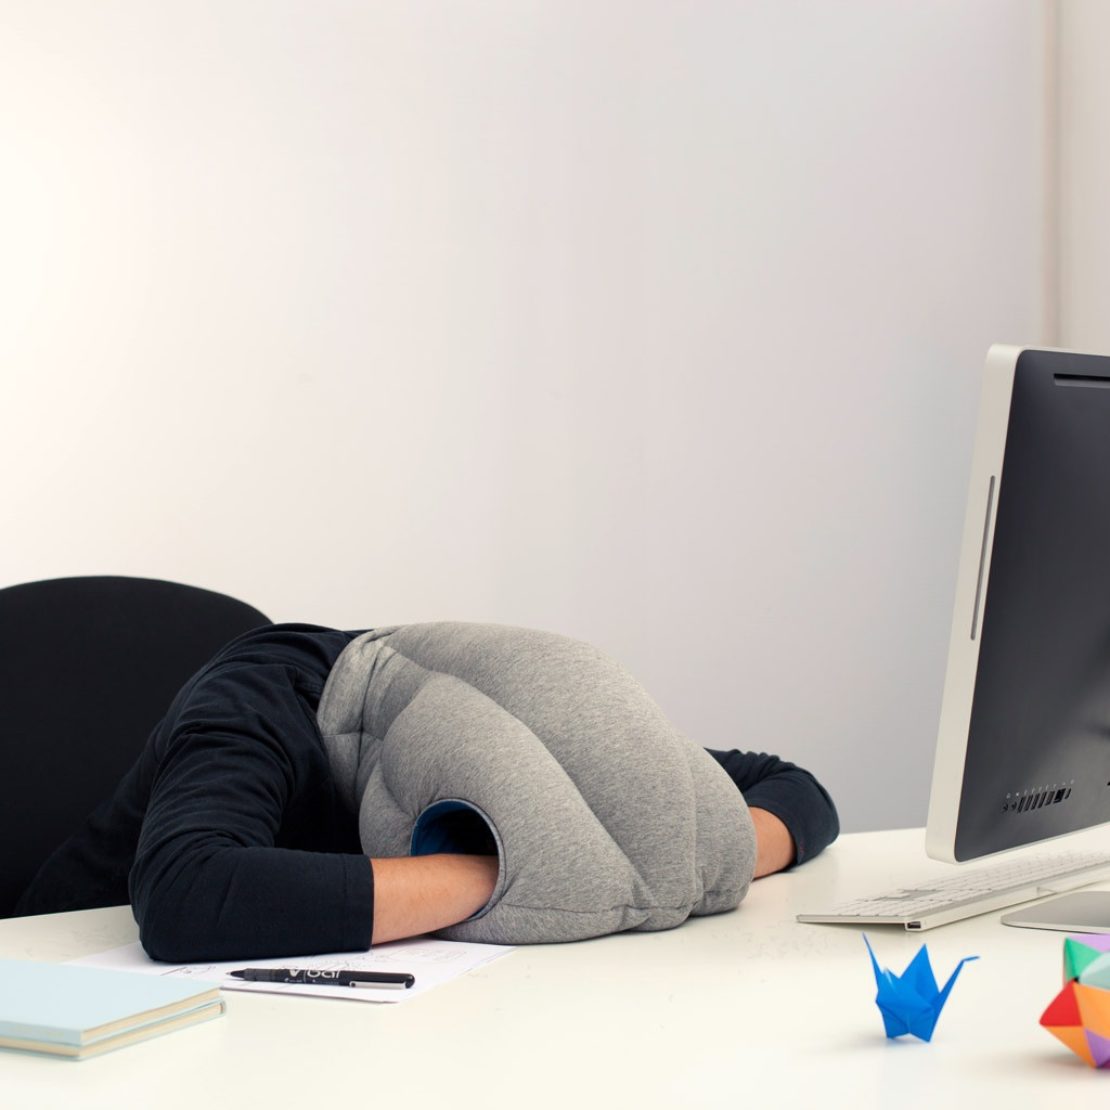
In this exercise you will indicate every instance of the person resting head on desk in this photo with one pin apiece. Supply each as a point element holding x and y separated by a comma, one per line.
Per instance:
<point>311,791</point>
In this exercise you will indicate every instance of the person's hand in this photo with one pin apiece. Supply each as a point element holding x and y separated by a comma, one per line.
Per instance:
<point>774,846</point>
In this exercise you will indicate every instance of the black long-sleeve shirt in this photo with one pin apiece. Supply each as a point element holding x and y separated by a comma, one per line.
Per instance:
<point>228,835</point>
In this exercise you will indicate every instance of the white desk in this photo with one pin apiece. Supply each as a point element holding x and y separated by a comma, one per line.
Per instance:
<point>748,1009</point>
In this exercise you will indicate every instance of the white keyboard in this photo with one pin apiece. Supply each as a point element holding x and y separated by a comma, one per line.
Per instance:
<point>971,892</point>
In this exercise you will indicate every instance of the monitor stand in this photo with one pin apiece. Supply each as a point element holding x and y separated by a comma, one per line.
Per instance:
<point>1087,911</point>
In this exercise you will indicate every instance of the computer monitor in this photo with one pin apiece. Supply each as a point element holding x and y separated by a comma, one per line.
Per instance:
<point>1023,752</point>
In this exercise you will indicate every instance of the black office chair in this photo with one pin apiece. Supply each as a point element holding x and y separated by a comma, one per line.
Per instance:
<point>88,666</point>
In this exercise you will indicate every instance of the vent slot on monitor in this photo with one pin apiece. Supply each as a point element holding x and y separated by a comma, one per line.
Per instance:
<point>1083,381</point>
<point>1026,801</point>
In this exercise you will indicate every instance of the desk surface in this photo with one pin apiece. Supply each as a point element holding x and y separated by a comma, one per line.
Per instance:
<point>743,1009</point>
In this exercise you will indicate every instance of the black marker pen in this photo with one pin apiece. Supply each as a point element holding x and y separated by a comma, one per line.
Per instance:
<point>309,977</point>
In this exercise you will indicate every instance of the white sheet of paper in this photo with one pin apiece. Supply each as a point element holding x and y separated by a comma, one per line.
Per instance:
<point>432,962</point>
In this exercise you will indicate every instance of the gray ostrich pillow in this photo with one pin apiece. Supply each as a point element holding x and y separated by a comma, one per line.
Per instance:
<point>470,737</point>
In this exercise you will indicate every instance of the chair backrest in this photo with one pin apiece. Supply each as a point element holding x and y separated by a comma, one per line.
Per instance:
<point>88,667</point>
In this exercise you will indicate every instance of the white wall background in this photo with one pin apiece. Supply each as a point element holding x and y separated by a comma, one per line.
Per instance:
<point>1084,175</point>
<point>652,322</point>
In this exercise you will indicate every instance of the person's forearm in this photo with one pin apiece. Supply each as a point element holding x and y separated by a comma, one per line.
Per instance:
<point>193,904</point>
<point>774,846</point>
<point>419,894</point>
<point>790,793</point>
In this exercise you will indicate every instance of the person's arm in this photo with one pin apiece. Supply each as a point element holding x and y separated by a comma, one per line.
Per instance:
<point>774,845</point>
<point>242,790</point>
<point>419,894</point>
<point>209,881</point>
<point>794,817</point>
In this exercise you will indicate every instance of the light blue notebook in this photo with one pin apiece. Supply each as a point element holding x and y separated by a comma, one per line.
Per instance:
<point>81,1011</point>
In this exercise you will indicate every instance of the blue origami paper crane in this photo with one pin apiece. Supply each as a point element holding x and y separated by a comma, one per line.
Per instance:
<point>912,1002</point>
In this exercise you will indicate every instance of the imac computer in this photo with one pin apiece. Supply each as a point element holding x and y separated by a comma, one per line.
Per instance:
<point>1023,749</point>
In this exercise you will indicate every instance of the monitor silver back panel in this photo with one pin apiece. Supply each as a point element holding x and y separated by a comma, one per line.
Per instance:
<point>1023,752</point>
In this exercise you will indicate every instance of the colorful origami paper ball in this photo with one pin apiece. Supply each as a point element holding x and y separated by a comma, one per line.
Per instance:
<point>1080,1014</point>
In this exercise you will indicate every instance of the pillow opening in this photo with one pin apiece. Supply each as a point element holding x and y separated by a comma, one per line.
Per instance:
<point>452,825</point>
